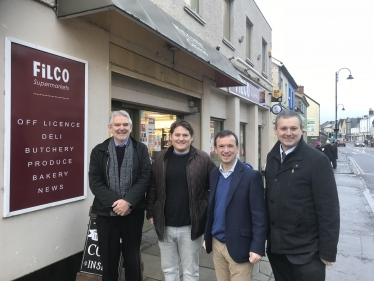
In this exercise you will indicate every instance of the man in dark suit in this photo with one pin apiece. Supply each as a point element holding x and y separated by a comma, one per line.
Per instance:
<point>236,223</point>
<point>302,205</point>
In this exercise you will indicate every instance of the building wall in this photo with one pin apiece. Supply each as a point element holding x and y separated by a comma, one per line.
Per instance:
<point>33,240</point>
<point>217,105</point>
<point>223,105</point>
<point>285,87</point>
<point>291,97</point>
<point>212,30</point>
<point>313,115</point>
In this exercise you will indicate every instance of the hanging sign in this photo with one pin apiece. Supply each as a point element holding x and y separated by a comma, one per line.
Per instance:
<point>276,109</point>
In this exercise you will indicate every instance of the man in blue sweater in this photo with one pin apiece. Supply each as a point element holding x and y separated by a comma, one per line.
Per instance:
<point>237,222</point>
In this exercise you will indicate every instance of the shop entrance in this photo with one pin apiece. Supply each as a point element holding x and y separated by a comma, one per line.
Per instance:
<point>150,126</point>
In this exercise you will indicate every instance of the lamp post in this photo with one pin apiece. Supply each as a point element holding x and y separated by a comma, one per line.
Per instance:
<point>336,97</point>
<point>336,117</point>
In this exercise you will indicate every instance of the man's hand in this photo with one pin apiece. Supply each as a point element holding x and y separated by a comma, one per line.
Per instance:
<point>121,207</point>
<point>328,263</point>
<point>151,221</point>
<point>204,245</point>
<point>254,258</point>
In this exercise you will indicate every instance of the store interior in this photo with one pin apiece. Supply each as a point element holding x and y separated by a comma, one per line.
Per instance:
<point>154,130</point>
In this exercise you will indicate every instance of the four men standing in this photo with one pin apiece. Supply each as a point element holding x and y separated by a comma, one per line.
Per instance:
<point>301,223</point>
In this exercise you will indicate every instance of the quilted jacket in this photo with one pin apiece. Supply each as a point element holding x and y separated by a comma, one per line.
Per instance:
<point>198,169</point>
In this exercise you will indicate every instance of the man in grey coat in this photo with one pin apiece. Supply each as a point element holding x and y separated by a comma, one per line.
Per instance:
<point>302,203</point>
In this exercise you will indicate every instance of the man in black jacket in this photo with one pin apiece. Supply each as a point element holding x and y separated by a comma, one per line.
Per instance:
<point>119,176</point>
<point>177,201</point>
<point>303,205</point>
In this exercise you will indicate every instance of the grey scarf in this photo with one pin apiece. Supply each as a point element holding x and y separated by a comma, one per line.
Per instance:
<point>120,185</point>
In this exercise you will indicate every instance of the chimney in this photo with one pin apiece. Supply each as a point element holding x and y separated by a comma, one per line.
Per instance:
<point>300,90</point>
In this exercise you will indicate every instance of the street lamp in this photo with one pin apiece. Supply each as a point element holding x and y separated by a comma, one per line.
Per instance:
<point>342,106</point>
<point>336,98</point>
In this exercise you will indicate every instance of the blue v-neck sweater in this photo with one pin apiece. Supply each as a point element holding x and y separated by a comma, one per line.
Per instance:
<point>222,190</point>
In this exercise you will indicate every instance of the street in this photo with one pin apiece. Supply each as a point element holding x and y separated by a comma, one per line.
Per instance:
<point>362,160</point>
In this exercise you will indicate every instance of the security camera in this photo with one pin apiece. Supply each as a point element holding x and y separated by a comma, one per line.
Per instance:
<point>218,47</point>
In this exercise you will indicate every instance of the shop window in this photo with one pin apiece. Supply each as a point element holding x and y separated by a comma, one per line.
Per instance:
<point>248,38</point>
<point>242,143</point>
<point>216,126</point>
<point>226,18</point>
<point>154,130</point>
<point>193,4</point>
<point>264,56</point>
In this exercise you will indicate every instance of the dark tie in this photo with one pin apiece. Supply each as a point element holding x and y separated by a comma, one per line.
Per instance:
<point>283,156</point>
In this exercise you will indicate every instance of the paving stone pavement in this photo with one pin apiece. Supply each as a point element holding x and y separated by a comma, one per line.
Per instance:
<point>355,259</point>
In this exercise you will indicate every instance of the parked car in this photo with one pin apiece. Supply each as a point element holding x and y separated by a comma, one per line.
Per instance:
<point>341,142</point>
<point>359,144</point>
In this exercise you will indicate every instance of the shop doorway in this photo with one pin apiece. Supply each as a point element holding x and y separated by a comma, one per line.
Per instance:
<point>150,126</point>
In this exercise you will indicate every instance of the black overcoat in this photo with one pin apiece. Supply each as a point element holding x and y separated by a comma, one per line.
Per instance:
<point>98,178</point>
<point>327,150</point>
<point>302,203</point>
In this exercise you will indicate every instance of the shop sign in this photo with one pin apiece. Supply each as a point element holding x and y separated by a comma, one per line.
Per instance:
<point>276,95</point>
<point>249,92</point>
<point>46,125</point>
<point>276,109</point>
<point>91,261</point>
<point>310,125</point>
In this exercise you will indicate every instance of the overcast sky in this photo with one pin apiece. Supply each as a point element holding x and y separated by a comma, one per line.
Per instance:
<point>316,38</point>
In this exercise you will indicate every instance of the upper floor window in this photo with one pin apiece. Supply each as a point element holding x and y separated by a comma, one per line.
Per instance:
<point>194,5</point>
<point>226,18</point>
<point>248,37</point>
<point>264,55</point>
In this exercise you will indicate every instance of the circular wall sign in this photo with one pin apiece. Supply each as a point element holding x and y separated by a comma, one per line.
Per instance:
<point>276,109</point>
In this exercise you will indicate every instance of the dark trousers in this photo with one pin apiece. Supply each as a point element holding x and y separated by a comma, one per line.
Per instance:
<point>284,270</point>
<point>333,163</point>
<point>110,230</point>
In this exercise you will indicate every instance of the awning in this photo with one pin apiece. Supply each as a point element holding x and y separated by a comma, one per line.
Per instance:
<point>152,17</point>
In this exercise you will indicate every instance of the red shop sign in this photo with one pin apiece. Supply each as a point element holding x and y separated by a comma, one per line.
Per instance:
<point>46,123</point>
